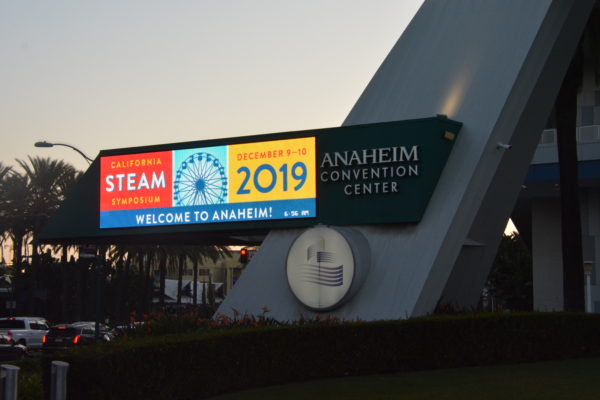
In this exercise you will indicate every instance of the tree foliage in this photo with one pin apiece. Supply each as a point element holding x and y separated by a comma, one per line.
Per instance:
<point>511,279</point>
<point>30,193</point>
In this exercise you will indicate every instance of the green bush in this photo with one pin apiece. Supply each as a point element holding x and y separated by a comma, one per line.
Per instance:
<point>198,365</point>
<point>160,323</point>
<point>30,379</point>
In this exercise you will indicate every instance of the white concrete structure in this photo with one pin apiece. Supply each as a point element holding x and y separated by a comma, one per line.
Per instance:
<point>538,214</point>
<point>496,66</point>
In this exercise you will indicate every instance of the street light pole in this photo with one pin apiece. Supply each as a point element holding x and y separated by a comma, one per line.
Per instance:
<point>99,270</point>
<point>99,260</point>
<point>48,144</point>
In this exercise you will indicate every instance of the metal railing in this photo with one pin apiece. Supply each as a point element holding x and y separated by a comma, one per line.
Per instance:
<point>585,134</point>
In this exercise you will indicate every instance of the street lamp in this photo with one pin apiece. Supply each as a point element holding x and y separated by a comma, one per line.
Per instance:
<point>48,144</point>
<point>99,260</point>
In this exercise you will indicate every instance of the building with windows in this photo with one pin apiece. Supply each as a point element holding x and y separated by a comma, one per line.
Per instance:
<point>538,214</point>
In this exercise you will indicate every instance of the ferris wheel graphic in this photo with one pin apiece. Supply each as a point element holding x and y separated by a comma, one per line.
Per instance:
<point>200,180</point>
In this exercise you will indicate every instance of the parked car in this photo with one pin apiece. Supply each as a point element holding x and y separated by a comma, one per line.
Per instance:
<point>121,330</point>
<point>66,336</point>
<point>26,331</point>
<point>106,333</point>
<point>10,351</point>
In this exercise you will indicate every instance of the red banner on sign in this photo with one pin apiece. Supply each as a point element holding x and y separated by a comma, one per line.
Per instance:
<point>136,181</point>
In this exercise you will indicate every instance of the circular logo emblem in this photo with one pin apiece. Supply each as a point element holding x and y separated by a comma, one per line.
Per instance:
<point>320,268</point>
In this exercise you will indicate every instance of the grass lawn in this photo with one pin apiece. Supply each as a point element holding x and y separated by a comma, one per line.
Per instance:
<point>572,379</point>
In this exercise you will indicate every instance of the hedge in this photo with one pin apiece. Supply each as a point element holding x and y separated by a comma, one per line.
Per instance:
<point>195,366</point>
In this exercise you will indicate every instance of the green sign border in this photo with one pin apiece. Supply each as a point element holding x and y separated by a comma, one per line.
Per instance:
<point>77,220</point>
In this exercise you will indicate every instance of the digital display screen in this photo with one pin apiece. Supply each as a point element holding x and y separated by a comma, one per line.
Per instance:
<point>270,180</point>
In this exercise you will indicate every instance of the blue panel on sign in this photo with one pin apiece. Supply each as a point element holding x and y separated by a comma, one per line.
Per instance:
<point>252,211</point>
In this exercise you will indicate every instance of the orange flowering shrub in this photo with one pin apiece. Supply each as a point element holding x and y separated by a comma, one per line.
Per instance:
<point>161,323</point>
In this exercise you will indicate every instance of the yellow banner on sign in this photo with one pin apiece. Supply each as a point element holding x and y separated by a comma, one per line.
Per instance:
<point>273,170</point>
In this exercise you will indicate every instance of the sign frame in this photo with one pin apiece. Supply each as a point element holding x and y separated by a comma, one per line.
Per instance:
<point>365,174</point>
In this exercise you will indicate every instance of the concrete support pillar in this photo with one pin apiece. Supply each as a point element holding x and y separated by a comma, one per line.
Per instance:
<point>591,243</point>
<point>229,280</point>
<point>547,255</point>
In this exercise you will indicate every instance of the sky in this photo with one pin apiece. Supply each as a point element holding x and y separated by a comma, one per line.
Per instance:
<point>113,73</point>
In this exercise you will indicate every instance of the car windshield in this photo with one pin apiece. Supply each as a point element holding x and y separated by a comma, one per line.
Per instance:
<point>12,324</point>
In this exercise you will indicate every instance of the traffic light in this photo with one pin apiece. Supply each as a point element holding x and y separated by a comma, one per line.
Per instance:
<point>244,255</point>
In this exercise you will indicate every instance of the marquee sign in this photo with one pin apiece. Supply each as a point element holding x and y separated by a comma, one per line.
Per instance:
<point>240,182</point>
<point>377,173</point>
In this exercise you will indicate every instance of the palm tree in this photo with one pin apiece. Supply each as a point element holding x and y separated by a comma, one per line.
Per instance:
<point>173,258</point>
<point>133,280</point>
<point>16,219</point>
<point>28,198</point>
<point>125,259</point>
<point>49,182</point>
<point>198,255</point>
<point>180,260</point>
<point>4,171</point>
